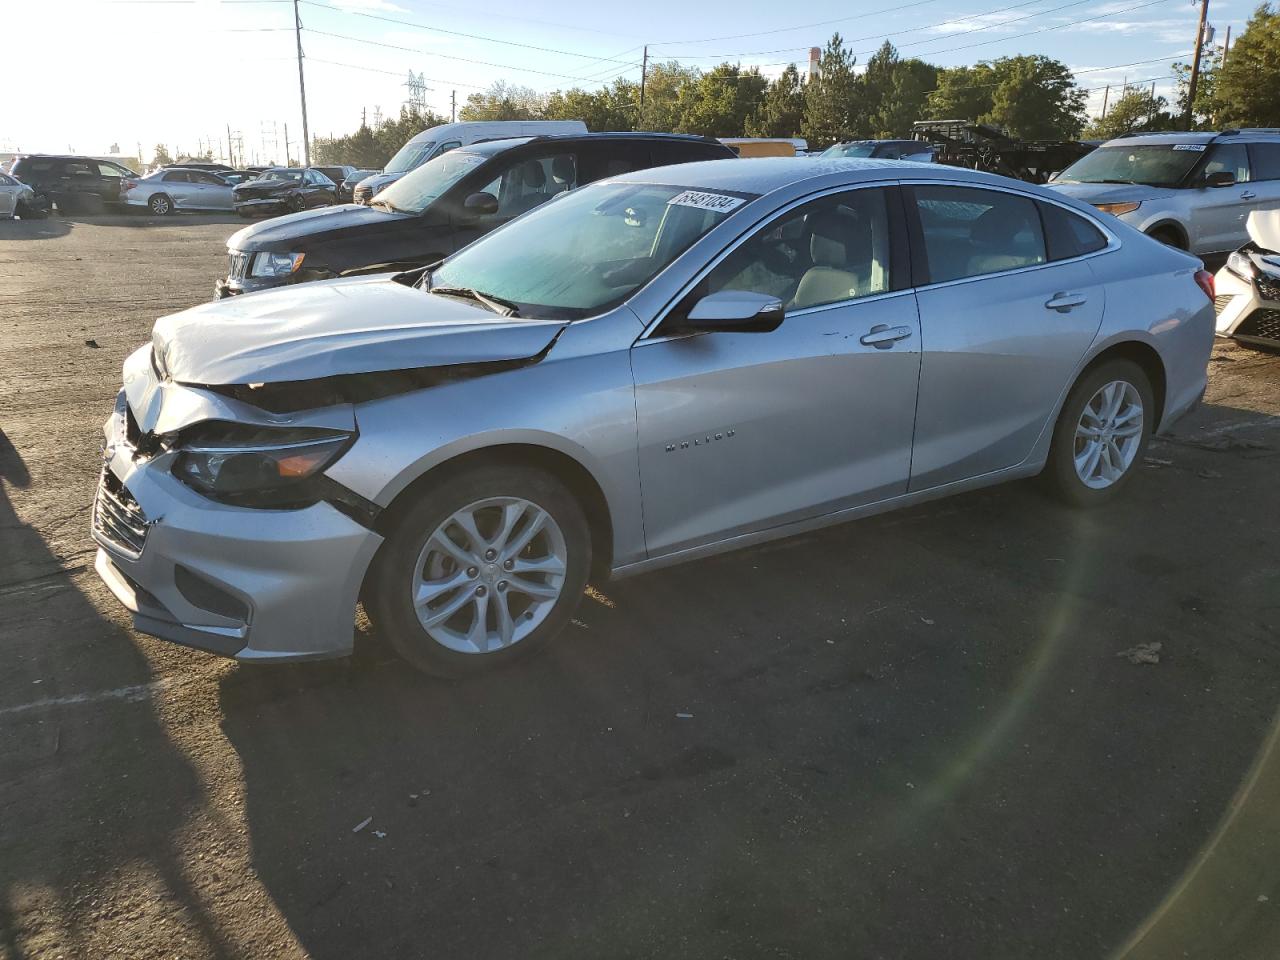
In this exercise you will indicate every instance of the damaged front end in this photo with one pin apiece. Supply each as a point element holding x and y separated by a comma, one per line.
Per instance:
<point>1247,294</point>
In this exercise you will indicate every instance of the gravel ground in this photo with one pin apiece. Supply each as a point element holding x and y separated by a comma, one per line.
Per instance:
<point>911,736</point>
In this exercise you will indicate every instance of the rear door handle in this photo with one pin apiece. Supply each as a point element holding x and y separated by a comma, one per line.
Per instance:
<point>1248,195</point>
<point>882,336</point>
<point>1063,302</point>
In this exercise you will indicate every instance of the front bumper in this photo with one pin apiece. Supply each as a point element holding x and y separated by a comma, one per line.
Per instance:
<point>1242,310</point>
<point>234,286</point>
<point>268,585</point>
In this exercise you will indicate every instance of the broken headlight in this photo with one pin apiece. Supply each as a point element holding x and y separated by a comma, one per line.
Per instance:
<point>276,264</point>
<point>258,466</point>
<point>1242,265</point>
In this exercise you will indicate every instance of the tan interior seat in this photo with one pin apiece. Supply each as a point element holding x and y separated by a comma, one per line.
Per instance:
<point>840,247</point>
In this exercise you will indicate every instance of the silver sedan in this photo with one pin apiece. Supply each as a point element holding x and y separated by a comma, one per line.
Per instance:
<point>654,368</point>
<point>172,189</point>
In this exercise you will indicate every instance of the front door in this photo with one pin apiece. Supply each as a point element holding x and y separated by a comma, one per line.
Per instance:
<point>1003,324</point>
<point>744,431</point>
<point>1219,213</point>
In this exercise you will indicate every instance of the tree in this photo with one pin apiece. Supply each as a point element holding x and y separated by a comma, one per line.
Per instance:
<point>832,105</point>
<point>1248,85</point>
<point>1208,105</point>
<point>663,86</point>
<point>780,112</point>
<point>718,103</point>
<point>904,101</point>
<point>370,149</point>
<point>1136,109</point>
<point>160,155</point>
<point>610,108</point>
<point>503,101</point>
<point>1032,97</point>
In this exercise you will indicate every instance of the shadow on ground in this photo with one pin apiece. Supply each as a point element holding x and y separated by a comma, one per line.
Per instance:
<point>909,736</point>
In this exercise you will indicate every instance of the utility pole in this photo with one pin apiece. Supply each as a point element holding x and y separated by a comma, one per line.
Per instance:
<point>644,75</point>
<point>1105,95</point>
<point>1195,64</point>
<point>287,161</point>
<point>1226,46</point>
<point>302,86</point>
<point>453,105</point>
<point>231,156</point>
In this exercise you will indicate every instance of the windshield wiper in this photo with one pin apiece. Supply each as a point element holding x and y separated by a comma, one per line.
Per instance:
<point>504,307</point>
<point>1113,181</point>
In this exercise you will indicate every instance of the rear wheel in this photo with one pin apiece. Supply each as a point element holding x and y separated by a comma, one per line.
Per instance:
<point>1101,434</point>
<point>480,569</point>
<point>160,205</point>
<point>295,203</point>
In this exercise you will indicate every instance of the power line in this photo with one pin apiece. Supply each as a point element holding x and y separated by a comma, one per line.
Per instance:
<point>802,26</point>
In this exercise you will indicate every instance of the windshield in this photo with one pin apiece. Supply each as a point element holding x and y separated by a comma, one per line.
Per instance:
<point>850,150</point>
<point>281,175</point>
<point>409,156</point>
<point>589,250</point>
<point>415,191</point>
<point>1154,164</point>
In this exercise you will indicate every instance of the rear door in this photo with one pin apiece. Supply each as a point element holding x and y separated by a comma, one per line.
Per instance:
<point>743,431</point>
<point>177,184</point>
<point>1264,168</point>
<point>214,193</point>
<point>1218,213</point>
<point>1005,316</point>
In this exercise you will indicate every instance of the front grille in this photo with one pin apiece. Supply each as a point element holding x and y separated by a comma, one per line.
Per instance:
<point>1269,287</point>
<point>117,518</point>
<point>1220,303</point>
<point>1263,324</point>
<point>362,194</point>
<point>237,265</point>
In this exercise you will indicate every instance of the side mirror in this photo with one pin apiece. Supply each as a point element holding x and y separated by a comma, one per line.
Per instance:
<point>739,311</point>
<point>480,204</point>
<point>1220,178</point>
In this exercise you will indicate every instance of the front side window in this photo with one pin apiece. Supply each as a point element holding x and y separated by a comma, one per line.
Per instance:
<point>831,249</point>
<point>415,191</point>
<point>7,181</point>
<point>532,182</point>
<point>969,232</point>
<point>590,250</point>
<point>282,176</point>
<point>1154,164</point>
<point>1232,158</point>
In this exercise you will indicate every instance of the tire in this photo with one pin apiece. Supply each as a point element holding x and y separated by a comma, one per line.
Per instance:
<point>28,212</point>
<point>410,561</point>
<point>295,204</point>
<point>244,212</point>
<point>1168,236</point>
<point>160,205</point>
<point>1117,462</point>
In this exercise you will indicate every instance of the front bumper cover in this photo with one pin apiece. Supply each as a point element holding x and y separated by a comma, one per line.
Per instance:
<point>295,575</point>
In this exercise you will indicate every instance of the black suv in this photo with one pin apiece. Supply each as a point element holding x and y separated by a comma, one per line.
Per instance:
<point>75,184</point>
<point>443,205</point>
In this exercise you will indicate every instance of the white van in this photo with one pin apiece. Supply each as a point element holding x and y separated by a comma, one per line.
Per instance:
<point>437,140</point>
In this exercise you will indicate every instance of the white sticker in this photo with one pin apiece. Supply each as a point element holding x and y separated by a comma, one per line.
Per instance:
<point>718,202</point>
<point>1197,147</point>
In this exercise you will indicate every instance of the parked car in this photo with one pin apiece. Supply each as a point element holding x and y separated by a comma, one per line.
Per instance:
<point>74,184</point>
<point>339,176</point>
<point>347,188</point>
<point>882,150</point>
<point>1248,285</point>
<point>175,188</point>
<point>200,165</point>
<point>760,146</point>
<point>442,206</point>
<point>284,189</point>
<point>438,140</point>
<point>19,199</point>
<point>660,366</point>
<point>236,177</point>
<point>1189,190</point>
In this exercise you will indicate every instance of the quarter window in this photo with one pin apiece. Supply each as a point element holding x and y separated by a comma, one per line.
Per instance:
<point>969,232</point>
<point>1068,234</point>
<point>831,249</point>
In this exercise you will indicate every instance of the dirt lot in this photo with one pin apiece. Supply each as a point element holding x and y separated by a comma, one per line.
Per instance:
<point>909,737</point>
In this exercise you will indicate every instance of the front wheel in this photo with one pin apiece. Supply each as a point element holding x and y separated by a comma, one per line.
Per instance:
<point>160,205</point>
<point>480,569</point>
<point>295,204</point>
<point>1101,434</point>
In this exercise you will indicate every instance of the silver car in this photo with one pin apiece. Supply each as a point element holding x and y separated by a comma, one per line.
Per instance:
<point>654,368</point>
<point>17,199</point>
<point>172,189</point>
<point>1189,190</point>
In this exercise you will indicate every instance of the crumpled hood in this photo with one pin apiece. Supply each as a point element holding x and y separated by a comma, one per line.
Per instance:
<point>379,180</point>
<point>1264,229</point>
<point>336,327</point>
<point>1111,192</point>
<point>282,234</point>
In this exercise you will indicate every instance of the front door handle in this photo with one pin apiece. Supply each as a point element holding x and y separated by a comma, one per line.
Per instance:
<point>882,336</point>
<point>1248,195</point>
<point>1064,302</point>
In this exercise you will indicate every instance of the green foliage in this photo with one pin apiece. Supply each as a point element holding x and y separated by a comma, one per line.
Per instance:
<point>662,95</point>
<point>610,108</point>
<point>780,112</point>
<point>904,99</point>
<point>834,109</point>
<point>1033,97</point>
<point>160,155</point>
<point>503,101</point>
<point>718,102</point>
<point>370,149</point>
<point>1136,109</point>
<point>1246,90</point>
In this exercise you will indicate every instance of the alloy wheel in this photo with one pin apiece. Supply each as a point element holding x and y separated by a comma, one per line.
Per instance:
<point>489,575</point>
<point>1108,435</point>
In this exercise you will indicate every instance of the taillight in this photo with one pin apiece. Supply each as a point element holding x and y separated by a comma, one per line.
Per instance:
<point>128,185</point>
<point>1204,280</point>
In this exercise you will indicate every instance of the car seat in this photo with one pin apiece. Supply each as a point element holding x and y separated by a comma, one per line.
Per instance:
<point>840,246</point>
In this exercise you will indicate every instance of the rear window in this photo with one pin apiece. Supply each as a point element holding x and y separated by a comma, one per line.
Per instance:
<point>1069,235</point>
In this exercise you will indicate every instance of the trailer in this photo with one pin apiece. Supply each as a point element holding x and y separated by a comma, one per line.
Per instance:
<point>979,146</point>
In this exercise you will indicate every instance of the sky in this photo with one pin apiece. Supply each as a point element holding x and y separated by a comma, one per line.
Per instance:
<point>135,73</point>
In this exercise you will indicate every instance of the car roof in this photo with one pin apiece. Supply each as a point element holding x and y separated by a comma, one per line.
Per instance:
<point>490,147</point>
<point>1198,136</point>
<point>766,174</point>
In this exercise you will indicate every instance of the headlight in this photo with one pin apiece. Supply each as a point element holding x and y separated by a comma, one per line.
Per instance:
<point>1240,264</point>
<point>1118,209</point>
<point>257,466</point>
<point>276,264</point>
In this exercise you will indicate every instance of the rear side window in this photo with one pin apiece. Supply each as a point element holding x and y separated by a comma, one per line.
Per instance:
<point>177,176</point>
<point>601,160</point>
<point>1265,160</point>
<point>1069,235</point>
<point>968,232</point>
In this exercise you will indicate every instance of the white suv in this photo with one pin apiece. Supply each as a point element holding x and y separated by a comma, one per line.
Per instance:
<point>1190,190</point>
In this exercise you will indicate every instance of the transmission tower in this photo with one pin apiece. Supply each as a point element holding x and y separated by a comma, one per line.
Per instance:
<point>417,87</point>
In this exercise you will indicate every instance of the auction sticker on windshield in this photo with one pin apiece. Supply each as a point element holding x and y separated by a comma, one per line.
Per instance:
<point>706,201</point>
<point>1197,147</point>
